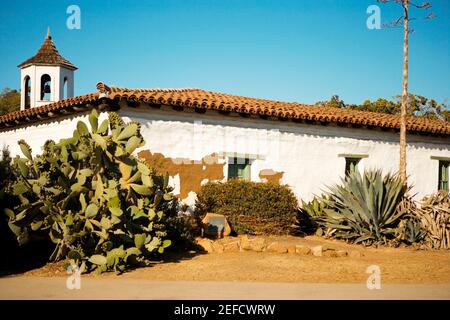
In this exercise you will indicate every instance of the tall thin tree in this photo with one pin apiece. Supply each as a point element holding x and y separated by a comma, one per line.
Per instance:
<point>404,20</point>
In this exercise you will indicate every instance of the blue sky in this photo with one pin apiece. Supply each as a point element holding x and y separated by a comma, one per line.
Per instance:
<point>303,50</point>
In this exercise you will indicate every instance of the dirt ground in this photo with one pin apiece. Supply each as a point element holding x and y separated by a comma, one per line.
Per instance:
<point>398,266</point>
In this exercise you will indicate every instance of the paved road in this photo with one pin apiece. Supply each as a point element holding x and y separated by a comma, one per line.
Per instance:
<point>22,287</point>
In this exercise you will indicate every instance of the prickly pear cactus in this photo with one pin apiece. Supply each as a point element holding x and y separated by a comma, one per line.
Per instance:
<point>101,206</point>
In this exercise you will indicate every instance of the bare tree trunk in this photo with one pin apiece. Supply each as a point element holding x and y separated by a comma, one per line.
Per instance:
<point>402,172</point>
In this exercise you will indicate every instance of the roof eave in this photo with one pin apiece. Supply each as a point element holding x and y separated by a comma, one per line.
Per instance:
<point>26,65</point>
<point>198,100</point>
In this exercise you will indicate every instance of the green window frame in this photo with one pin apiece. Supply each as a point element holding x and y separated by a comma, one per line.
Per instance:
<point>443,175</point>
<point>239,168</point>
<point>351,162</point>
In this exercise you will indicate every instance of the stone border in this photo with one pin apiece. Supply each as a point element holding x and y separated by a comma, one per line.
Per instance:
<point>258,244</point>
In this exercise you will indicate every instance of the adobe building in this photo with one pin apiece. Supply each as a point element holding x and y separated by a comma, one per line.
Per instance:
<point>198,135</point>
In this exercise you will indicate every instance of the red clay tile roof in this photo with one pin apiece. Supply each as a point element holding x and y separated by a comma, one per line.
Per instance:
<point>198,99</point>
<point>48,55</point>
<point>50,110</point>
<point>201,99</point>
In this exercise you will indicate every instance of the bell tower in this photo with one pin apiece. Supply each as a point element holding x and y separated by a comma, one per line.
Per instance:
<point>46,77</point>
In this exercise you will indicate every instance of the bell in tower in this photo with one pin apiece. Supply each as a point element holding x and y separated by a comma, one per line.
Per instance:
<point>46,77</point>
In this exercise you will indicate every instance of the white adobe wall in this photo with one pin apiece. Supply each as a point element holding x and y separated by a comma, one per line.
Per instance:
<point>36,134</point>
<point>307,154</point>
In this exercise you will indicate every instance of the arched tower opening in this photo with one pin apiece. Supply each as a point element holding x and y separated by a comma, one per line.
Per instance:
<point>46,88</point>
<point>27,92</point>
<point>65,94</point>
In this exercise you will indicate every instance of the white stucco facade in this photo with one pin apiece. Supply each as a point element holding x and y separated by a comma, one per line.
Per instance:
<point>309,156</point>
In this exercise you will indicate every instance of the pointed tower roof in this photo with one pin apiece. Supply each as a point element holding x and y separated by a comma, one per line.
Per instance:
<point>48,55</point>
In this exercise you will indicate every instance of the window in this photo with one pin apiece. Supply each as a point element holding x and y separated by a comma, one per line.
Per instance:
<point>46,84</point>
<point>443,175</point>
<point>27,92</point>
<point>65,88</point>
<point>352,160</point>
<point>351,163</point>
<point>239,168</point>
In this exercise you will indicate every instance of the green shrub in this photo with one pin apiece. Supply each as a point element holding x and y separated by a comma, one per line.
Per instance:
<point>308,214</point>
<point>100,205</point>
<point>182,229</point>
<point>362,209</point>
<point>251,207</point>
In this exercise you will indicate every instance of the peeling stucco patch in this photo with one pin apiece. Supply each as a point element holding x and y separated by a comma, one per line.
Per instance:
<point>191,173</point>
<point>270,176</point>
<point>175,182</point>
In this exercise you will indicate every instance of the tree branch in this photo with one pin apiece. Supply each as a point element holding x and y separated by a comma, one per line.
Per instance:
<point>400,20</point>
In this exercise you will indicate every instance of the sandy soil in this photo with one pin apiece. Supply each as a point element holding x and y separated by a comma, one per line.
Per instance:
<point>398,266</point>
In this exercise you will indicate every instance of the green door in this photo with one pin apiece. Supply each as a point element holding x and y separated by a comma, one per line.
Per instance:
<point>443,175</point>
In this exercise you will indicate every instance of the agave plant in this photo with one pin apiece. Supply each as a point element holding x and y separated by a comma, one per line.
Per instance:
<point>363,208</point>
<point>308,214</point>
<point>315,207</point>
<point>99,204</point>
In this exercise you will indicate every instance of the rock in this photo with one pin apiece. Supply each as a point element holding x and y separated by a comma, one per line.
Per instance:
<point>291,249</point>
<point>282,249</point>
<point>276,247</point>
<point>329,252</point>
<point>304,250</point>
<point>317,251</point>
<point>271,247</point>
<point>341,253</point>
<point>355,254</point>
<point>216,225</point>
<point>258,244</point>
<point>245,243</point>
<point>231,247</point>
<point>206,244</point>
<point>255,244</point>
<point>217,247</point>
